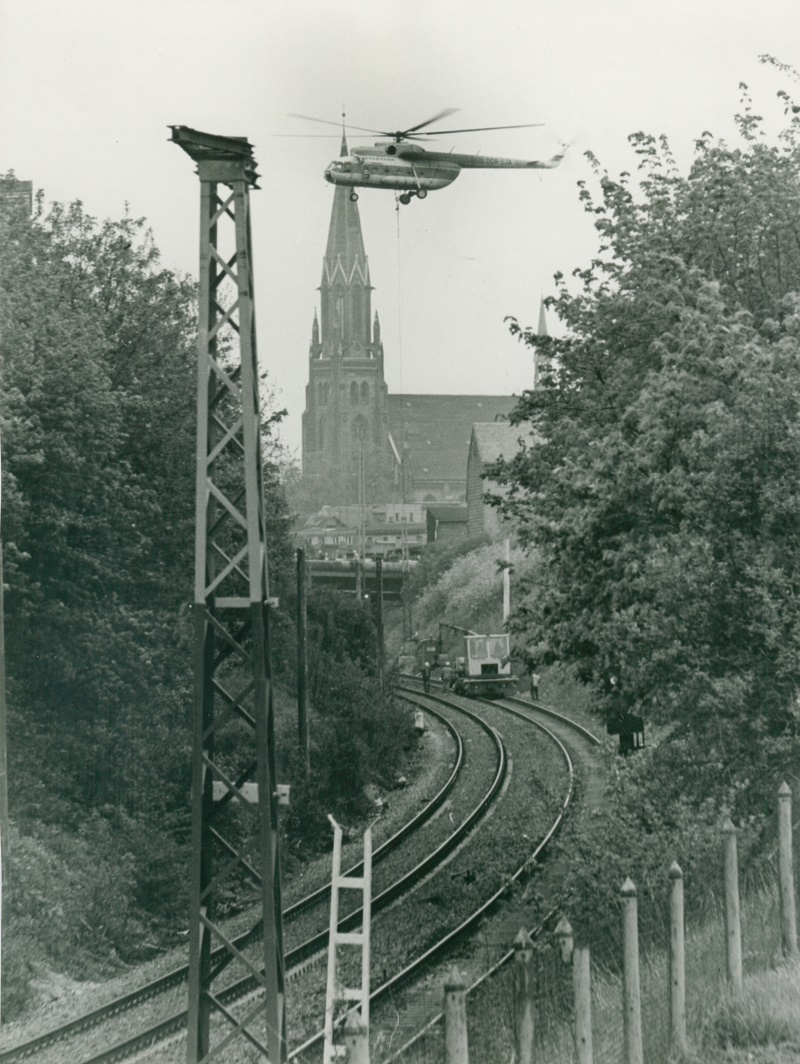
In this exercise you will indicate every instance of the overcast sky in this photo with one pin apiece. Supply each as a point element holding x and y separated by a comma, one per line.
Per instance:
<point>88,88</point>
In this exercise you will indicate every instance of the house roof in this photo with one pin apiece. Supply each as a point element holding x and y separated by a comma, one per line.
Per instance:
<point>323,519</point>
<point>434,431</point>
<point>447,513</point>
<point>497,439</point>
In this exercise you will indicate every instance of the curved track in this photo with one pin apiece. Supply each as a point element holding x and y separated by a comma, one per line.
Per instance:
<point>179,975</point>
<point>527,711</point>
<point>560,727</point>
<point>299,958</point>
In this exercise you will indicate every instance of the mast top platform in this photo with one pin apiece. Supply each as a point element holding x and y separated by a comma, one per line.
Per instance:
<point>218,158</point>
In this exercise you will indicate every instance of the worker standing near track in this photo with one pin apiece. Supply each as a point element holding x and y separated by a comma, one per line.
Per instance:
<point>535,686</point>
<point>426,677</point>
<point>447,675</point>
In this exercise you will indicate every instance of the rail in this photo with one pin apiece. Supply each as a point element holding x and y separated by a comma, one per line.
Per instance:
<point>440,948</point>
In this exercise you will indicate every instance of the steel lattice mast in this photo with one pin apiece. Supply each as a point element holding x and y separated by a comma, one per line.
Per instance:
<point>234,793</point>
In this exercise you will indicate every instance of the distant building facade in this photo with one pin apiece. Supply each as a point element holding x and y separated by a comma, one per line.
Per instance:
<point>446,522</point>
<point>389,530</point>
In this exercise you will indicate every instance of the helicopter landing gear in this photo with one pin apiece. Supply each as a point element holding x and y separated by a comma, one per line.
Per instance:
<point>354,196</point>
<point>406,197</point>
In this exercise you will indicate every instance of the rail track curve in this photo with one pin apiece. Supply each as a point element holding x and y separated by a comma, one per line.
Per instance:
<point>296,959</point>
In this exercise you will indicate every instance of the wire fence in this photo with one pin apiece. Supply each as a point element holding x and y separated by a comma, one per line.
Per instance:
<point>761,921</point>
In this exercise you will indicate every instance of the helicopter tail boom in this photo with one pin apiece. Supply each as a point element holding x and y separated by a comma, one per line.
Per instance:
<point>490,162</point>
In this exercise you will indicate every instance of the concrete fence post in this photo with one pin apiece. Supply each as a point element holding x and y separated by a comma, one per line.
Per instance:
<point>632,1005</point>
<point>456,1049</point>
<point>356,1041</point>
<point>582,988</point>
<point>566,942</point>
<point>733,923</point>
<point>523,997</point>
<point>786,873</point>
<point>677,963</point>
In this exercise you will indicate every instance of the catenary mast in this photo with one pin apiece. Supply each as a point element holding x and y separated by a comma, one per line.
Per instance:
<point>233,758</point>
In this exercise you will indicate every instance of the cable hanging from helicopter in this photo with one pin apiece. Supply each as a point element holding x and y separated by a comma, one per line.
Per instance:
<point>404,166</point>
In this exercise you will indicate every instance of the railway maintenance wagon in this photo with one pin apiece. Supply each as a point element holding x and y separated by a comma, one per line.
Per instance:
<point>485,666</point>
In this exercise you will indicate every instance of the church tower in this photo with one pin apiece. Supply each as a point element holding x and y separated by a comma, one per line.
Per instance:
<point>346,391</point>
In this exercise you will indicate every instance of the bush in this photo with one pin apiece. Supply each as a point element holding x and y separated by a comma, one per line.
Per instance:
<point>470,592</point>
<point>357,738</point>
<point>660,807</point>
<point>72,896</point>
<point>436,559</point>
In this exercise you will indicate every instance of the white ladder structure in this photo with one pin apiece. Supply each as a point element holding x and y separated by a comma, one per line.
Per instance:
<point>356,999</point>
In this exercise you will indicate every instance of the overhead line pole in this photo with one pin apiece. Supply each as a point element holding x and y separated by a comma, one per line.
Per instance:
<point>302,664</point>
<point>4,830</point>
<point>233,670</point>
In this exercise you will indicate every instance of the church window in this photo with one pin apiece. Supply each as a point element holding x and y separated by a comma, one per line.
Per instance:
<point>353,392</point>
<point>326,391</point>
<point>364,392</point>
<point>358,311</point>
<point>359,428</point>
<point>320,436</point>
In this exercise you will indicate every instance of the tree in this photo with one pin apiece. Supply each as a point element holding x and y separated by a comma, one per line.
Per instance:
<point>661,484</point>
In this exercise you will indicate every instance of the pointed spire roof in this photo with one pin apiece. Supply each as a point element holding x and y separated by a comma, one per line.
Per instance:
<point>541,330</point>
<point>345,242</point>
<point>542,327</point>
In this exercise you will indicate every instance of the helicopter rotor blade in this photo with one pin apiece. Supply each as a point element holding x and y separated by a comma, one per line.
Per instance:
<point>436,118</point>
<point>479,129</point>
<point>347,125</point>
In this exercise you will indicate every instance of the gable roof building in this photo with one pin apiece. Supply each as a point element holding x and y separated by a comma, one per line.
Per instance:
<point>446,521</point>
<point>489,442</point>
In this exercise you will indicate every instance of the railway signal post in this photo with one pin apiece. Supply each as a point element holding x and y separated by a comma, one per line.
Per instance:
<point>233,759</point>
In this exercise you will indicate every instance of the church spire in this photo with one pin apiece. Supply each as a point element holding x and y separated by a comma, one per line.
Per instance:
<point>541,330</point>
<point>343,150</point>
<point>345,291</point>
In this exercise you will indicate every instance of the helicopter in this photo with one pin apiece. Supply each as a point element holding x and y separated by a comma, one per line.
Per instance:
<point>410,169</point>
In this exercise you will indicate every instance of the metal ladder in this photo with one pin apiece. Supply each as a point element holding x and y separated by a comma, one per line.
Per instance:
<point>356,998</point>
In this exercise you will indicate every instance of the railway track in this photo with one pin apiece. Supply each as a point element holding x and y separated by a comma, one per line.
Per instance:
<point>426,1012</point>
<point>298,959</point>
<point>558,727</point>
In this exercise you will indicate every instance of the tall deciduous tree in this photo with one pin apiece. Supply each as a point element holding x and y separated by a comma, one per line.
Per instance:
<point>98,425</point>
<point>661,480</point>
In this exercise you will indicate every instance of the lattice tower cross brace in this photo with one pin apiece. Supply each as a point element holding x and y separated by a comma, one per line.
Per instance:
<point>231,611</point>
